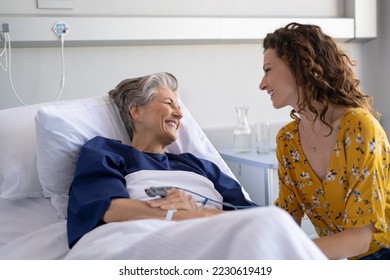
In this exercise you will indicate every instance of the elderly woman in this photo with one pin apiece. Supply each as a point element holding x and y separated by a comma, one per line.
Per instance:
<point>107,196</point>
<point>111,177</point>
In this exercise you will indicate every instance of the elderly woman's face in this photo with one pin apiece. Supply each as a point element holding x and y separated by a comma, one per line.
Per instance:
<point>161,117</point>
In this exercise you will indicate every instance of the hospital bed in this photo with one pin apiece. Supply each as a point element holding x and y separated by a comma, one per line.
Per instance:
<point>39,149</point>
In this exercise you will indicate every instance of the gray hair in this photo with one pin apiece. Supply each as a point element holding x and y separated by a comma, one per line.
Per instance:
<point>138,92</point>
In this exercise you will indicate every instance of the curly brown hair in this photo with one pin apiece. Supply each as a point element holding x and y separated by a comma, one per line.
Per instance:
<point>320,68</point>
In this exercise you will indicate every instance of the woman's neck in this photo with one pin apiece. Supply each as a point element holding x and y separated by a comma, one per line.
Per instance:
<point>147,146</point>
<point>315,124</point>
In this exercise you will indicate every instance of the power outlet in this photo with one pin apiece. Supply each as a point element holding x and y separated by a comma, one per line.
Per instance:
<point>60,28</point>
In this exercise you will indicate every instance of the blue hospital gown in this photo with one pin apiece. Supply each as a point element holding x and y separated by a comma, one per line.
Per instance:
<point>100,176</point>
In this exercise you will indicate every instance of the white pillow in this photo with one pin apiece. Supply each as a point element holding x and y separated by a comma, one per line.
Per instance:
<point>18,170</point>
<point>64,127</point>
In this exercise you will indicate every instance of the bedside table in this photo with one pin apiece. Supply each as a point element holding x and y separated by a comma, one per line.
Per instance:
<point>255,172</point>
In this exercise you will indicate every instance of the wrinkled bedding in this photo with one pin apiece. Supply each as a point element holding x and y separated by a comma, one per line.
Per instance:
<point>34,232</point>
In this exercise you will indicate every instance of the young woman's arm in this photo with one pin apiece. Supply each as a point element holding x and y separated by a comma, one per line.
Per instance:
<point>348,243</point>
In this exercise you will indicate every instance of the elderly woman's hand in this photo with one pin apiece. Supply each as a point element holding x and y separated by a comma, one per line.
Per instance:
<point>176,199</point>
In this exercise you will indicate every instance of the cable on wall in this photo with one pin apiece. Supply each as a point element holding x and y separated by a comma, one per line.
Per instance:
<point>7,53</point>
<point>62,84</point>
<point>60,29</point>
<point>3,53</point>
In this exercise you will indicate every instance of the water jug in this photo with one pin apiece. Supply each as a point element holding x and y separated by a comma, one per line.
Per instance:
<point>242,131</point>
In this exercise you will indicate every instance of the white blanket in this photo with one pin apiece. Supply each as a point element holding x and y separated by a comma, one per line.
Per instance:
<point>266,233</point>
<point>260,233</point>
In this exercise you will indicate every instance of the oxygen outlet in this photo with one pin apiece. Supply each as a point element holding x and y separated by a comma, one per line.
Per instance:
<point>61,28</point>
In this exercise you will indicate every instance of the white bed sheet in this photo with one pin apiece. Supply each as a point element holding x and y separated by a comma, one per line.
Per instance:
<point>30,229</point>
<point>33,232</point>
<point>22,216</point>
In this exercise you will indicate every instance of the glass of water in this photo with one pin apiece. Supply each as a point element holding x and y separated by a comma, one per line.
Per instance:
<point>262,135</point>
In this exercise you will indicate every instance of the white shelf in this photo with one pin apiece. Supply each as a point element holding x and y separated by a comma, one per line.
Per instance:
<point>118,31</point>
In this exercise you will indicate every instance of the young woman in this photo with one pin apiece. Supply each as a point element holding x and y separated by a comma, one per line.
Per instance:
<point>334,157</point>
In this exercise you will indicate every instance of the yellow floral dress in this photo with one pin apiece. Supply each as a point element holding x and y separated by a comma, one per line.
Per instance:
<point>356,188</point>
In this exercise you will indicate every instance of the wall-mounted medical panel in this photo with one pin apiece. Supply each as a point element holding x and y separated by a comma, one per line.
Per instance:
<point>117,31</point>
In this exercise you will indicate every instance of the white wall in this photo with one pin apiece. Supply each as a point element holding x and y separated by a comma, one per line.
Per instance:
<point>382,68</point>
<point>374,65</point>
<point>213,77</point>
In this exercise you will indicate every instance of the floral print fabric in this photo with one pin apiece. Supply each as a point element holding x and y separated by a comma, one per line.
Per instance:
<point>355,190</point>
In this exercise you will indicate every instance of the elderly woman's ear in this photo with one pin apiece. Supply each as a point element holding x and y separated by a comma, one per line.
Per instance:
<point>134,113</point>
